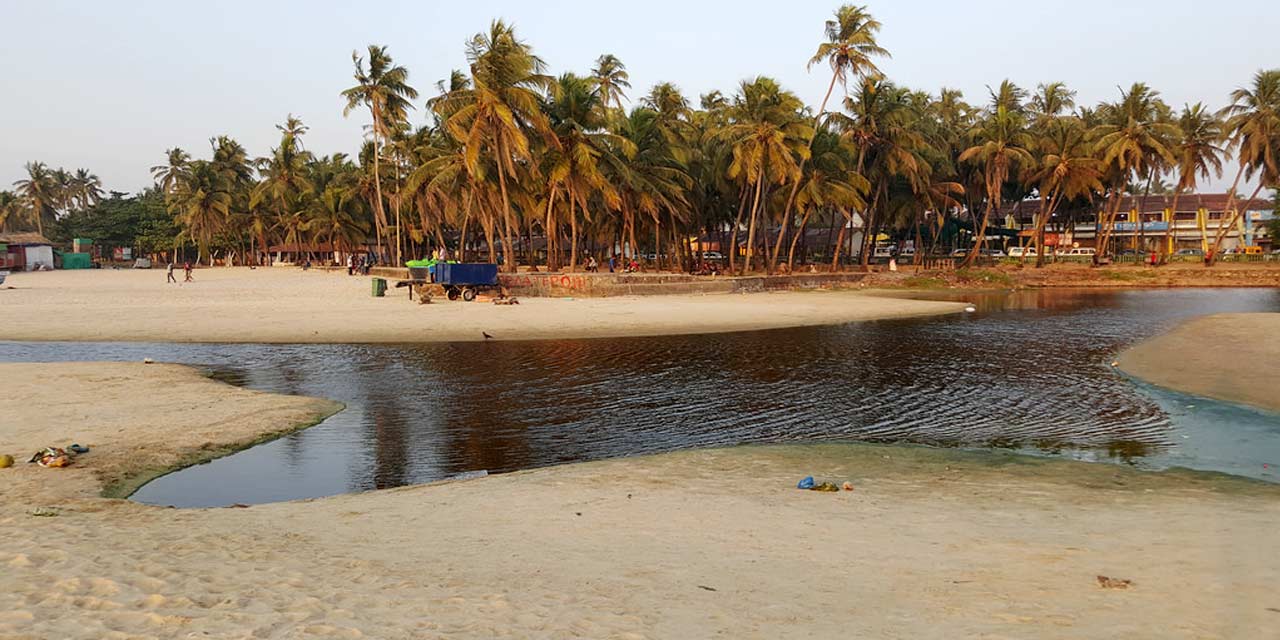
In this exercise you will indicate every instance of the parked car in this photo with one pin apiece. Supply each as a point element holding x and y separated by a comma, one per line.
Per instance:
<point>712,255</point>
<point>882,252</point>
<point>1188,252</point>
<point>1021,252</point>
<point>959,253</point>
<point>1081,251</point>
<point>992,253</point>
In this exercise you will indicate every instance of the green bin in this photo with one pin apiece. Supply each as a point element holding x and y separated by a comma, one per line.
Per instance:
<point>379,287</point>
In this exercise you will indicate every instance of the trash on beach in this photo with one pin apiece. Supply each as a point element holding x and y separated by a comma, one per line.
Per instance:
<point>1114,583</point>
<point>6,461</point>
<point>148,361</point>
<point>826,486</point>
<point>52,457</point>
<point>970,309</point>
<point>847,486</point>
<point>506,301</point>
<point>78,449</point>
<point>44,512</point>
<point>807,483</point>
<point>469,475</point>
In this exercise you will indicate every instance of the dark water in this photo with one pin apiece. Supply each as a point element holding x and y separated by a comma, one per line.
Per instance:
<point>1028,371</point>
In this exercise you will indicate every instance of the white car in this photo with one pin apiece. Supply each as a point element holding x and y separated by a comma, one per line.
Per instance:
<point>1021,252</point>
<point>1081,251</point>
<point>712,255</point>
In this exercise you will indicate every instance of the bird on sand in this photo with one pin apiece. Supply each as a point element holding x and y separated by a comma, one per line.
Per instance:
<point>486,336</point>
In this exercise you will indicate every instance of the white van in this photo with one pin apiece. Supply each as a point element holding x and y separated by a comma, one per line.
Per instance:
<point>1081,251</point>
<point>1020,252</point>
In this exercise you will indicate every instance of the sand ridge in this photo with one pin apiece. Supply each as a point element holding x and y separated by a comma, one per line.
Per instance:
<point>288,305</point>
<point>931,544</point>
<point>1230,356</point>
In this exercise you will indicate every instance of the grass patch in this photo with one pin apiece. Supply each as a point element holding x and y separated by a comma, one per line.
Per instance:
<point>1128,276</point>
<point>924,282</point>
<point>985,276</point>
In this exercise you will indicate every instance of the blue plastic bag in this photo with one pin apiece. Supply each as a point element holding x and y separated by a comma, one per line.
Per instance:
<point>807,483</point>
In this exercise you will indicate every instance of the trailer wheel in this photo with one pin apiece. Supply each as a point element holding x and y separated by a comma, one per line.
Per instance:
<point>468,294</point>
<point>453,293</point>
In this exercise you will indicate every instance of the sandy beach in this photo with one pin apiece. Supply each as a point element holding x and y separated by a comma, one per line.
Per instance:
<point>931,544</point>
<point>1207,356</point>
<point>283,305</point>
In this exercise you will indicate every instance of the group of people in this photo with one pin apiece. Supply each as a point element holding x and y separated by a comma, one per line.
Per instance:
<point>186,269</point>
<point>360,265</point>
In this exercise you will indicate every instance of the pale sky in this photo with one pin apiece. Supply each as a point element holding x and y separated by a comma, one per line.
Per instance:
<point>109,86</point>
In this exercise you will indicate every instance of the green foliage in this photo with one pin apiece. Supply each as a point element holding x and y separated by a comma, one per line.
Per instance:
<point>138,221</point>
<point>924,282</point>
<point>985,276</point>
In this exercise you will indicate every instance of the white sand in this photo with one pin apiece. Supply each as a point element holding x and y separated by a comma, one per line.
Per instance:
<point>689,545</point>
<point>1230,356</point>
<point>289,305</point>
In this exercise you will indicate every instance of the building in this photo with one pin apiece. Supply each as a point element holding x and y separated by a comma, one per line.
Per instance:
<point>1143,222</point>
<point>25,252</point>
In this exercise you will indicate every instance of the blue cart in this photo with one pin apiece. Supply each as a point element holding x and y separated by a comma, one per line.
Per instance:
<point>466,280</point>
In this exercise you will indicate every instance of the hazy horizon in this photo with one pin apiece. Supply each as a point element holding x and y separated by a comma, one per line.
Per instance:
<point>110,87</point>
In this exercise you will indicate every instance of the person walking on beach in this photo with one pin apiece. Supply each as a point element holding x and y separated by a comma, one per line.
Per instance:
<point>170,274</point>
<point>186,270</point>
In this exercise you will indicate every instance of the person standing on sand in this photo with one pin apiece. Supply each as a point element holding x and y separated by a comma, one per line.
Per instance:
<point>186,270</point>
<point>170,275</point>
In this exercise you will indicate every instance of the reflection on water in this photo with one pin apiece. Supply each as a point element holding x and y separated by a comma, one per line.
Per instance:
<point>1028,371</point>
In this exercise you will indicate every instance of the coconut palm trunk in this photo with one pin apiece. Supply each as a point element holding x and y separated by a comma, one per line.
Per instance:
<point>795,187</point>
<point>1167,246</point>
<point>751,227</point>
<point>737,222</point>
<point>1221,235</point>
<point>835,254</point>
<point>791,252</point>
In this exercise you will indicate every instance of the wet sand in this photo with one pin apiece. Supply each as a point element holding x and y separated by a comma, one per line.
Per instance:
<point>1231,356</point>
<point>692,544</point>
<point>284,305</point>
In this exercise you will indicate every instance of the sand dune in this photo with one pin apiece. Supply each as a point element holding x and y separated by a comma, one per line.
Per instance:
<point>931,544</point>
<point>289,305</point>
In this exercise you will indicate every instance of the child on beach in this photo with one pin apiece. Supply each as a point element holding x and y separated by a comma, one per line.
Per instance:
<point>186,269</point>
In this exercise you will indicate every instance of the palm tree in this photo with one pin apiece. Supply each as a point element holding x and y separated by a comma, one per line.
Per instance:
<point>1133,141</point>
<point>1197,154</point>
<point>500,112</point>
<point>769,140</point>
<point>611,78</point>
<point>1066,170</point>
<point>1253,123</point>
<point>829,182</point>
<point>881,124</point>
<point>168,175</point>
<point>285,181</point>
<point>1001,147</point>
<point>850,50</point>
<point>643,167</point>
<point>87,188</point>
<point>40,191</point>
<point>577,119</point>
<point>10,208</point>
<point>384,89</point>
<point>202,204</point>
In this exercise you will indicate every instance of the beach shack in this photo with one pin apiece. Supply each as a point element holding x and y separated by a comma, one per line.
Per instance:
<point>25,252</point>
